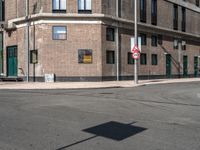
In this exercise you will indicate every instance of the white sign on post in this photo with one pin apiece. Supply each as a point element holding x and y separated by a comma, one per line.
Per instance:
<point>139,43</point>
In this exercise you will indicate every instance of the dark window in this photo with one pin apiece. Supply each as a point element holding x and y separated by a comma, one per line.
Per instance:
<point>154,12</point>
<point>175,18</point>
<point>59,33</point>
<point>34,56</point>
<point>175,43</point>
<point>130,58</point>
<point>110,34</point>
<point>183,19</point>
<point>143,38</point>
<point>197,3</point>
<point>160,39</point>
<point>59,6</point>
<point>154,59</point>
<point>143,59</point>
<point>143,10</point>
<point>84,6</point>
<point>154,40</point>
<point>84,56</point>
<point>110,57</point>
<point>2,10</point>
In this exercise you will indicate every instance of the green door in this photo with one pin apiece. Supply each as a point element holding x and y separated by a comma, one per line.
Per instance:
<point>196,71</point>
<point>12,61</point>
<point>185,66</point>
<point>168,66</point>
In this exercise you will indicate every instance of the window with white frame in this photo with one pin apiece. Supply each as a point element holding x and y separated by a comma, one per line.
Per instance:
<point>84,6</point>
<point>59,6</point>
<point>59,33</point>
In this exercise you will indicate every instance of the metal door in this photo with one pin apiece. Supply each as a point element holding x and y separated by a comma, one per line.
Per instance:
<point>185,66</point>
<point>12,61</point>
<point>168,65</point>
<point>196,69</point>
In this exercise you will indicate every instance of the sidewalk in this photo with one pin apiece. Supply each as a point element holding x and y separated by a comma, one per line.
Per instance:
<point>85,85</point>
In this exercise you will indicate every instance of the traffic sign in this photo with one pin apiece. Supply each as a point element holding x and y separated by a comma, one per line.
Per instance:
<point>135,48</point>
<point>139,43</point>
<point>136,54</point>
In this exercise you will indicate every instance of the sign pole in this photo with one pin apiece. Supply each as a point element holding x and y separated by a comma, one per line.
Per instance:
<point>136,42</point>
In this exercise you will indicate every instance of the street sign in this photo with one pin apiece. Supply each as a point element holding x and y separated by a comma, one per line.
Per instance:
<point>136,54</point>
<point>135,48</point>
<point>139,43</point>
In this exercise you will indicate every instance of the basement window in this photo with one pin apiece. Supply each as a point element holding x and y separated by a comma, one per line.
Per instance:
<point>84,56</point>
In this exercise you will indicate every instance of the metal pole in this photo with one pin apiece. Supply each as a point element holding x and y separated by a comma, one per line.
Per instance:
<point>117,40</point>
<point>27,41</point>
<point>179,58</point>
<point>136,42</point>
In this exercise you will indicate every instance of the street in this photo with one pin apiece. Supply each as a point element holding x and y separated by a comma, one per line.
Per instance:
<point>151,117</point>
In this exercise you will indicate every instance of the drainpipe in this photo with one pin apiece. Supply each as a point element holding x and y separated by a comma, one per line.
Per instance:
<point>27,41</point>
<point>117,40</point>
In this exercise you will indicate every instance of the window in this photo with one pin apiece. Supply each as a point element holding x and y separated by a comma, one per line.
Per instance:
<point>143,39</point>
<point>183,19</point>
<point>154,59</point>
<point>175,18</point>
<point>154,40</point>
<point>59,33</point>
<point>143,11</point>
<point>110,57</point>
<point>59,6</point>
<point>197,3</point>
<point>160,39</point>
<point>130,58</point>
<point>84,6</point>
<point>154,12</point>
<point>34,56</point>
<point>183,44</point>
<point>110,34</point>
<point>84,56</point>
<point>2,10</point>
<point>175,44</point>
<point>143,59</point>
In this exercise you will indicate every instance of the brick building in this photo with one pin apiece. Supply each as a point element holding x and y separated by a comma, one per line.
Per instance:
<point>90,39</point>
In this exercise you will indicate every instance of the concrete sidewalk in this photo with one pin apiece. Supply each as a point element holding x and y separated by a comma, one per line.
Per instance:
<point>85,85</point>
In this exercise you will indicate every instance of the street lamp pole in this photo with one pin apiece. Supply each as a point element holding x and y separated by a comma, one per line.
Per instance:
<point>136,42</point>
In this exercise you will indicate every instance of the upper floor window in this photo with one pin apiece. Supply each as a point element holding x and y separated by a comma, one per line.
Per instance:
<point>59,33</point>
<point>154,12</point>
<point>84,6</point>
<point>197,3</point>
<point>59,6</point>
<point>143,10</point>
<point>183,19</point>
<point>2,10</point>
<point>175,17</point>
<point>110,34</point>
<point>154,40</point>
<point>143,39</point>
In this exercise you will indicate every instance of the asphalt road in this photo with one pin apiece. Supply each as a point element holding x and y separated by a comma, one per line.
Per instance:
<point>153,117</point>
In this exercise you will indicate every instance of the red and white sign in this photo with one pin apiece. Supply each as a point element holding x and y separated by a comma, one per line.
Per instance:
<point>135,48</point>
<point>136,52</point>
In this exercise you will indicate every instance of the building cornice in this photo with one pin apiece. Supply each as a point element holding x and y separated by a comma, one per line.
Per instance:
<point>42,18</point>
<point>185,4</point>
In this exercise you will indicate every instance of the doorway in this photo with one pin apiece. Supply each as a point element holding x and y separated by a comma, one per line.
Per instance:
<point>168,65</point>
<point>12,61</point>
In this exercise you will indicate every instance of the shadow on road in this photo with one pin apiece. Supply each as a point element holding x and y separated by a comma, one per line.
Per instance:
<point>111,130</point>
